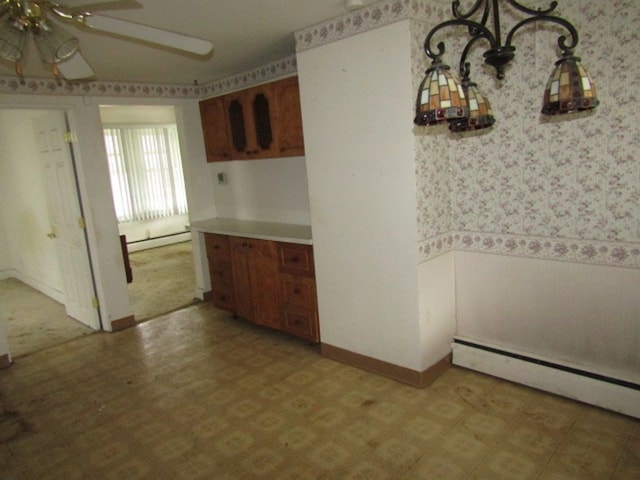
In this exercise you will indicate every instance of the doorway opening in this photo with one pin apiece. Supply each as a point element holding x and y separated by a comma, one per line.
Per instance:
<point>150,201</point>
<point>45,273</point>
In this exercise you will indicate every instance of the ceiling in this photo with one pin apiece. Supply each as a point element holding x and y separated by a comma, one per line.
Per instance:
<point>246,34</point>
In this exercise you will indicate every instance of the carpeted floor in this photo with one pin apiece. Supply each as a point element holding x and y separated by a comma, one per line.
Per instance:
<point>163,281</point>
<point>34,321</point>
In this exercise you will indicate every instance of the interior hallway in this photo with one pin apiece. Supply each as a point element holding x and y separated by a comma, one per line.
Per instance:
<point>197,394</point>
<point>163,281</point>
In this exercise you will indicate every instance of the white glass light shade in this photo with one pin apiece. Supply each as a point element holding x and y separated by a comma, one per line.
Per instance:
<point>12,39</point>
<point>54,44</point>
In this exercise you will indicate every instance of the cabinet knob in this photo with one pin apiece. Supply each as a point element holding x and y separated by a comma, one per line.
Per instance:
<point>294,259</point>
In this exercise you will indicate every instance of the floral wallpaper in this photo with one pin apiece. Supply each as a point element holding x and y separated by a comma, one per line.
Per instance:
<point>553,188</point>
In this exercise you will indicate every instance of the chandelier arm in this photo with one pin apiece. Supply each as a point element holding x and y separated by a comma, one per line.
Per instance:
<point>566,48</point>
<point>531,11</point>
<point>476,30</point>
<point>465,68</point>
<point>455,8</point>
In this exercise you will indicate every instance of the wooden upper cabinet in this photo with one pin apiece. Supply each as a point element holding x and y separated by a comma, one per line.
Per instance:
<point>251,123</point>
<point>213,119</point>
<point>260,122</point>
<point>291,139</point>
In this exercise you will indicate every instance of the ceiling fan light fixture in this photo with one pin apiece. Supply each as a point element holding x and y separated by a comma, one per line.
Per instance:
<point>54,43</point>
<point>12,39</point>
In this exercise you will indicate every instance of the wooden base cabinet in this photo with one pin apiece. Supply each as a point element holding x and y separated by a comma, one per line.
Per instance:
<point>219,259</point>
<point>267,282</point>
<point>255,278</point>
<point>298,291</point>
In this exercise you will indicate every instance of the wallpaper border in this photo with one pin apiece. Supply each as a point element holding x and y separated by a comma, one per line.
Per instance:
<point>594,252</point>
<point>373,16</point>
<point>49,86</point>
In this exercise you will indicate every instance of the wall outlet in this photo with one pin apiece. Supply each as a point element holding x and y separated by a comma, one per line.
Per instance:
<point>222,178</point>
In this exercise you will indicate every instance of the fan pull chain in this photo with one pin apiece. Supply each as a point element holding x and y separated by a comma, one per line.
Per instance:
<point>20,72</point>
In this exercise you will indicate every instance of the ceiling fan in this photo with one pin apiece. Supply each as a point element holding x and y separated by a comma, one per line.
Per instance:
<point>20,19</point>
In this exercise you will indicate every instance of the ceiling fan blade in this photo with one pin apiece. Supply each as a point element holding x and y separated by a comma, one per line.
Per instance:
<point>148,34</point>
<point>107,5</point>
<point>76,68</point>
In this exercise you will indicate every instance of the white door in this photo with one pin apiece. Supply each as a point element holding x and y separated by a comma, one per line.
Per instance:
<point>65,213</point>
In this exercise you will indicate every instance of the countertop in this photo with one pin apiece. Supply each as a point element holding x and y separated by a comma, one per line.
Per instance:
<point>280,232</point>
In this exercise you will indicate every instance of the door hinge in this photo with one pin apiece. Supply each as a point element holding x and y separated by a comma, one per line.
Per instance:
<point>81,223</point>
<point>95,302</point>
<point>68,137</point>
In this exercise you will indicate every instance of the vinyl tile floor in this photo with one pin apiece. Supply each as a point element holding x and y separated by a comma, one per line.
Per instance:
<point>197,394</point>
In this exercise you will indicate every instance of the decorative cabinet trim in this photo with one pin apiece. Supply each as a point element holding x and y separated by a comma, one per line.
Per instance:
<point>264,121</point>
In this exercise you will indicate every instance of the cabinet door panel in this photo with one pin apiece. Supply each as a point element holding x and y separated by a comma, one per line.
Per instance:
<point>264,283</point>
<point>291,138</point>
<point>262,121</point>
<point>214,129</point>
<point>237,126</point>
<point>241,276</point>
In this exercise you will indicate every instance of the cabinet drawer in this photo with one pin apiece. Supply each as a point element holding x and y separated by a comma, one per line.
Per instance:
<point>220,272</point>
<point>298,291</point>
<point>217,247</point>
<point>296,259</point>
<point>223,298</point>
<point>301,322</point>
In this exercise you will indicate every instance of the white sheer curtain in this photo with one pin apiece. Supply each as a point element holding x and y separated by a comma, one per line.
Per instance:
<point>146,172</point>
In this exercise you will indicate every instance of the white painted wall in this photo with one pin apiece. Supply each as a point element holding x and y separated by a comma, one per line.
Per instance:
<point>361,172</point>
<point>584,316</point>
<point>29,254</point>
<point>271,190</point>
<point>437,300</point>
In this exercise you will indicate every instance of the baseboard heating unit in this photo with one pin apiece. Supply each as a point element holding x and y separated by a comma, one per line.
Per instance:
<point>576,383</point>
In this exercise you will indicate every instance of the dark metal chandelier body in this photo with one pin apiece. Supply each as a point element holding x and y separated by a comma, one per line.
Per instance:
<point>443,98</point>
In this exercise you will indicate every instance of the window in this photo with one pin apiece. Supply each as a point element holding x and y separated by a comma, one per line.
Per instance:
<point>146,172</point>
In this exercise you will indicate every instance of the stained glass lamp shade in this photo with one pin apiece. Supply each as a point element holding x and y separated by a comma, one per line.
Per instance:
<point>569,89</point>
<point>441,97</point>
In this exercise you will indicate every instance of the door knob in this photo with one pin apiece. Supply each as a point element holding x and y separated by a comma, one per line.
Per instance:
<point>52,234</point>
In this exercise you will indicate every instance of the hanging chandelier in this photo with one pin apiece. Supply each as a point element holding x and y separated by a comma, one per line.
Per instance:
<point>443,97</point>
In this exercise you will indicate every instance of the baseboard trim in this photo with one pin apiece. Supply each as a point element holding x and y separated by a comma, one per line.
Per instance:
<point>123,323</point>
<point>402,374</point>
<point>5,360</point>
<point>577,384</point>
